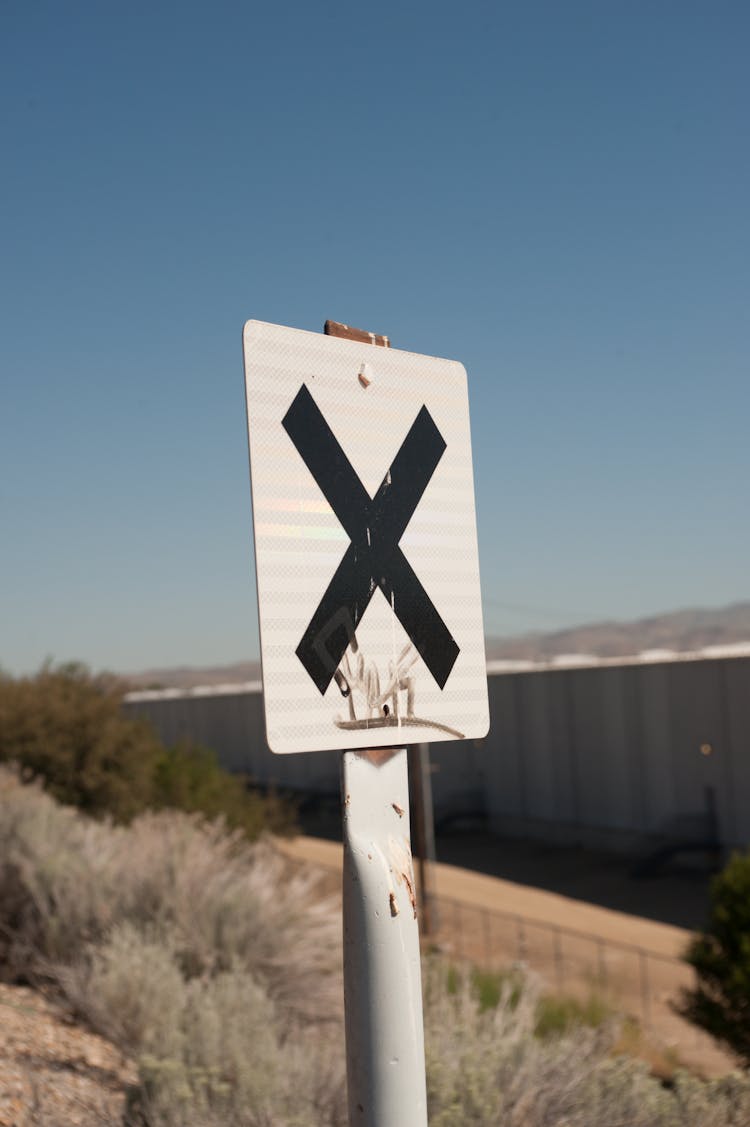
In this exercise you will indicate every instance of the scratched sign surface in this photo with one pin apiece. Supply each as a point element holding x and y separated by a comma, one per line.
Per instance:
<point>365,543</point>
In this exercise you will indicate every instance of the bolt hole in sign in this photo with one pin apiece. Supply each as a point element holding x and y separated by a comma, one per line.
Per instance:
<point>366,556</point>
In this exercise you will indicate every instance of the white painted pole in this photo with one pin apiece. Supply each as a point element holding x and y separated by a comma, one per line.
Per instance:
<point>382,979</point>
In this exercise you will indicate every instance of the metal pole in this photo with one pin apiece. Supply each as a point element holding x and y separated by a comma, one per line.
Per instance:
<point>382,976</point>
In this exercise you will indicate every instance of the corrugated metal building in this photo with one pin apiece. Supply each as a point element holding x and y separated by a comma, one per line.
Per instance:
<point>621,754</point>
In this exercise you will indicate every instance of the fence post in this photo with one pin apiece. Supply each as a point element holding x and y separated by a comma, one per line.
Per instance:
<point>521,939</point>
<point>458,917</point>
<point>486,927</point>
<point>602,965</point>
<point>645,987</point>
<point>559,976</point>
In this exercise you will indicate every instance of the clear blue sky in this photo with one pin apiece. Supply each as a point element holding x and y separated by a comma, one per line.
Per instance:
<point>556,194</point>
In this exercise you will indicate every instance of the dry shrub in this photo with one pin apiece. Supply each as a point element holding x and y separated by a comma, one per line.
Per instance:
<point>221,902</point>
<point>210,1049</point>
<point>219,972</point>
<point>54,891</point>
<point>201,955</point>
<point>487,1068</point>
<point>131,989</point>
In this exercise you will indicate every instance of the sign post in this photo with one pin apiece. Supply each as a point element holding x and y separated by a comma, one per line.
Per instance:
<point>371,636</point>
<point>382,977</point>
<point>382,973</point>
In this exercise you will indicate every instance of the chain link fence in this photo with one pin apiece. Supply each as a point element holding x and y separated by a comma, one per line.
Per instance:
<point>633,980</point>
<point>641,983</point>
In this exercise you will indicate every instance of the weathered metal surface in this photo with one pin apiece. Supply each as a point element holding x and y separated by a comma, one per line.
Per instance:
<point>553,730</point>
<point>348,332</point>
<point>382,979</point>
<point>365,542</point>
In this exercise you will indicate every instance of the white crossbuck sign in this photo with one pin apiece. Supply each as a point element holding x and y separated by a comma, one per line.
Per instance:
<point>365,543</point>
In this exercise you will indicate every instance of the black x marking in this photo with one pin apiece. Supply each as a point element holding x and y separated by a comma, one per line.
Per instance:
<point>373,559</point>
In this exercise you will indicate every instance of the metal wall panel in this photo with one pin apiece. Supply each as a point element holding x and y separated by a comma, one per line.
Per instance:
<point>736,676</point>
<point>653,741</point>
<point>505,794</point>
<point>606,748</point>
<point>618,757</point>
<point>590,765</point>
<point>459,778</point>
<point>537,763</point>
<point>698,719</point>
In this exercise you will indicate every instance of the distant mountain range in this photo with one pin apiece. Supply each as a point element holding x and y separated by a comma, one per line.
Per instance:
<point>681,630</point>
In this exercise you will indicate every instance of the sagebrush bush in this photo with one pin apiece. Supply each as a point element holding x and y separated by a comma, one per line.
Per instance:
<point>67,727</point>
<point>198,953</point>
<point>219,972</point>
<point>66,880</point>
<point>488,1067</point>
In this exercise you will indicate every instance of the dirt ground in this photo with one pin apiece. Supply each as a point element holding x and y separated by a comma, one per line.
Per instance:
<point>577,945</point>
<point>54,1073</point>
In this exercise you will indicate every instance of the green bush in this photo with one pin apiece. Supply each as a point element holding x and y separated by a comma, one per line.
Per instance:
<point>555,1014</point>
<point>560,1014</point>
<point>187,777</point>
<point>67,727</point>
<point>720,1002</point>
<point>487,986</point>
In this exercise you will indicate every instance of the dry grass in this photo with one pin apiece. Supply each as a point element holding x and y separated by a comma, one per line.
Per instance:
<point>217,900</point>
<point>488,1067</point>
<point>219,972</point>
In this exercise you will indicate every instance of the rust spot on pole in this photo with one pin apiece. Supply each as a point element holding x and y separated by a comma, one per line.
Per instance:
<point>408,881</point>
<point>401,863</point>
<point>377,756</point>
<point>393,903</point>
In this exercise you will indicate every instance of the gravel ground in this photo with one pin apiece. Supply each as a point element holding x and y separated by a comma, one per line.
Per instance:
<point>53,1072</point>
